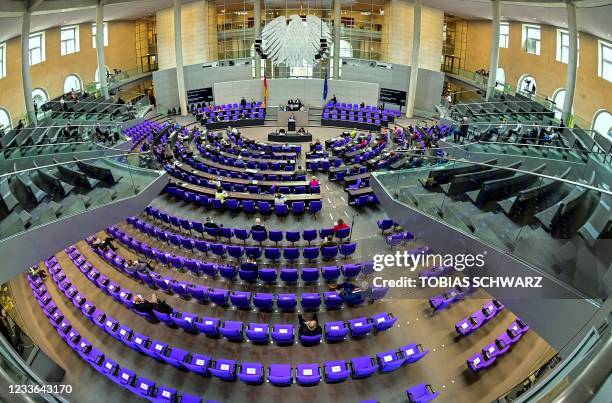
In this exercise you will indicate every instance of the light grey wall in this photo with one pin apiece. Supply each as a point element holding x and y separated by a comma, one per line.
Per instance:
<point>309,91</point>
<point>196,77</point>
<point>359,81</point>
<point>27,249</point>
<point>429,87</point>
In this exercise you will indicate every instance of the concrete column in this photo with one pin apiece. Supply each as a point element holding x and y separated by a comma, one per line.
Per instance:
<point>572,62</point>
<point>25,67</point>
<point>257,34</point>
<point>336,55</point>
<point>414,67</point>
<point>100,49</point>
<point>178,46</point>
<point>494,51</point>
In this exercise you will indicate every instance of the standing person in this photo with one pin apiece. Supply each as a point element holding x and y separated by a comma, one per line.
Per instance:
<point>463,128</point>
<point>152,99</point>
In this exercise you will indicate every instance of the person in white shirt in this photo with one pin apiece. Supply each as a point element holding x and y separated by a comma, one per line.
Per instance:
<point>280,199</point>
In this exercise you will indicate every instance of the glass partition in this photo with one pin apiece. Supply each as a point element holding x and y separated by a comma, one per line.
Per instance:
<point>44,193</point>
<point>60,138</point>
<point>548,215</point>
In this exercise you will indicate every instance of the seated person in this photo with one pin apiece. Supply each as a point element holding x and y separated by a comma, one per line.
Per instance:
<point>301,130</point>
<point>249,265</point>
<point>340,224</point>
<point>210,224</point>
<point>280,199</point>
<point>314,145</point>
<point>314,182</point>
<point>258,226</point>
<point>104,245</point>
<point>329,241</point>
<point>143,306</point>
<point>143,267</point>
<point>220,194</point>
<point>349,292</point>
<point>309,327</point>
<point>518,129</point>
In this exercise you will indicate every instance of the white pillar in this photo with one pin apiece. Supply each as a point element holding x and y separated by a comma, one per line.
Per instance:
<point>178,46</point>
<point>336,55</point>
<point>257,34</point>
<point>100,49</point>
<point>25,67</point>
<point>414,67</point>
<point>572,62</point>
<point>494,51</point>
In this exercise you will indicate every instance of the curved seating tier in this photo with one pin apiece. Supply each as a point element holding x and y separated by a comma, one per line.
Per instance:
<point>96,358</point>
<point>259,333</point>
<point>245,202</point>
<point>285,302</point>
<point>266,275</point>
<point>250,159</point>
<point>222,250</point>
<point>476,320</point>
<point>273,148</point>
<point>502,344</point>
<point>228,369</point>
<point>143,130</point>
<point>276,152</point>
<point>242,234</point>
<point>206,180</point>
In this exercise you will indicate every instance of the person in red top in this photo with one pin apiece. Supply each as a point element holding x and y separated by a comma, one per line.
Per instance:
<point>340,224</point>
<point>314,182</point>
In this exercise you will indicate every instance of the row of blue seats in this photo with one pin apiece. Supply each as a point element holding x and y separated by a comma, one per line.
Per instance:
<point>284,334</point>
<point>238,251</point>
<point>267,275</point>
<point>97,359</point>
<point>243,234</point>
<point>286,302</point>
<point>280,374</point>
<point>246,205</point>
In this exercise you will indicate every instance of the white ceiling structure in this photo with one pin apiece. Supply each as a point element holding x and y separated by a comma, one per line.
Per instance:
<point>594,16</point>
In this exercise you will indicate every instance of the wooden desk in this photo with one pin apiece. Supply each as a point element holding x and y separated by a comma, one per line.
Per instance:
<point>353,194</point>
<point>331,173</point>
<point>241,170</point>
<point>225,154</point>
<point>289,155</point>
<point>238,181</point>
<point>353,178</point>
<point>260,145</point>
<point>306,197</point>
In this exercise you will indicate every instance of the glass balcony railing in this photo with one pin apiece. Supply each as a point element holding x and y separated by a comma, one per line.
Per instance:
<point>548,206</point>
<point>481,81</point>
<point>33,197</point>
<point>119,77</point>
<point>34,142</point>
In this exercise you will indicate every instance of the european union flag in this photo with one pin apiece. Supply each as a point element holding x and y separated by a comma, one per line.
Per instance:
<point>325,88</point>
